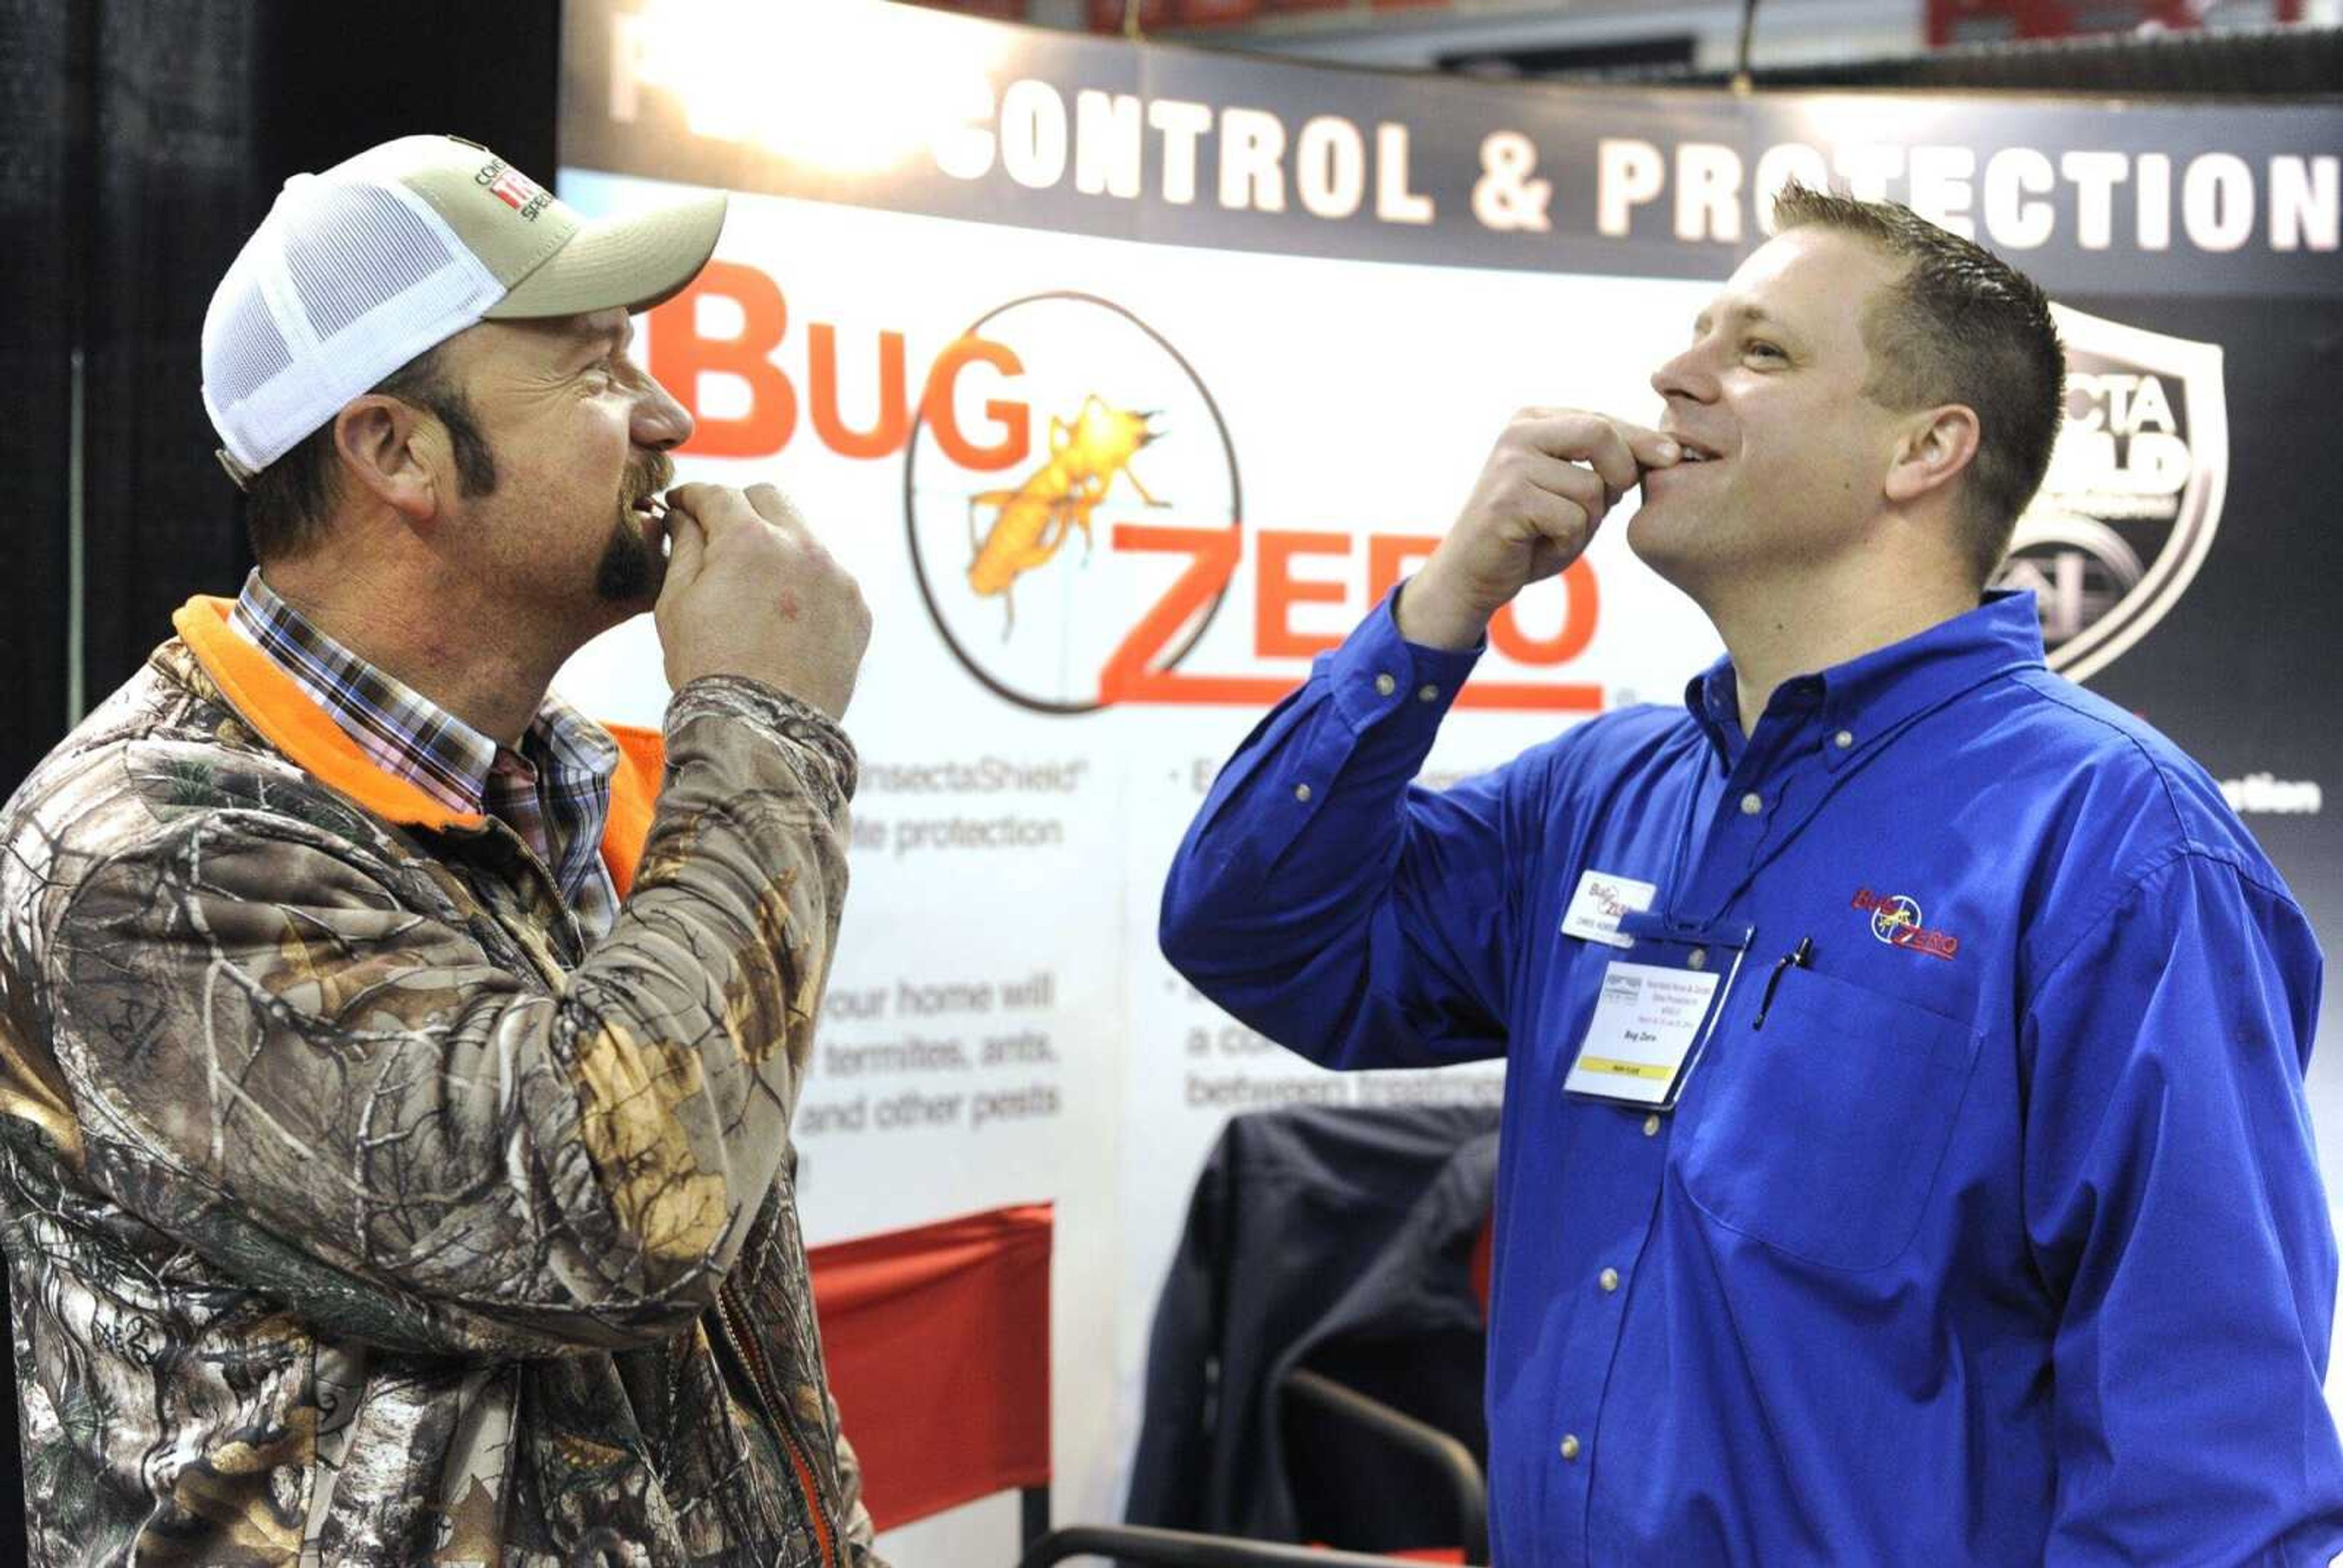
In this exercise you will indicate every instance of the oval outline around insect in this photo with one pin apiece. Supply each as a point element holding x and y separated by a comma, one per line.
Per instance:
<point>910,517</point>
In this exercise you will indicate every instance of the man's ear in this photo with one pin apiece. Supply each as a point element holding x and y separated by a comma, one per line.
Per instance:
<point>1935,448</point>
<point>393,451</point>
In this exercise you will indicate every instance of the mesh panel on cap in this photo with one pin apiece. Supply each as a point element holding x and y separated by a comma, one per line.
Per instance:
<point>355,247</point>
<point>343,283</point>
<point>246,349</point>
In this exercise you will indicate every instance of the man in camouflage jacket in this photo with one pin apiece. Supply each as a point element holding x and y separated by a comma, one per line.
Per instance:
<point>385,1181</point>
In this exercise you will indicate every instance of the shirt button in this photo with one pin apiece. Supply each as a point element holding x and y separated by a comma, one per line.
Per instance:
<point>1302,793</point>
<point>1570,1445</point>
<point>1843,740</point>
<point>1608,1279</point>
<point>1751,803</point>
<point>1651,1127</point>
<point>1698,959</point>
<point>1427,694</point>
<point>1386,686</point>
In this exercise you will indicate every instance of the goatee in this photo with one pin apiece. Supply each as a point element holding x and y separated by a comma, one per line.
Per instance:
<point>632,571</point>
<point>633,568</point>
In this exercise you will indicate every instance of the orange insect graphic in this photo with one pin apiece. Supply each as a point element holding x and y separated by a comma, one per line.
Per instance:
<point>1029,523</point>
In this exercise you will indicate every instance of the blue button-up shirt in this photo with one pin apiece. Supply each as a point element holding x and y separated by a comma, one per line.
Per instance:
<point>2002,1240</point>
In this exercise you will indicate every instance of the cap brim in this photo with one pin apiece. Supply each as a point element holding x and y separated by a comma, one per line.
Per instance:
<point>636,260</point>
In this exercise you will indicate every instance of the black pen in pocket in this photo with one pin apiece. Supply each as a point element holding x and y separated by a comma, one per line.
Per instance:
<point>1799,957</point>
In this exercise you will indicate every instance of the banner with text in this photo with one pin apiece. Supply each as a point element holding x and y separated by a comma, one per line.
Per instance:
<point>1127,378</point>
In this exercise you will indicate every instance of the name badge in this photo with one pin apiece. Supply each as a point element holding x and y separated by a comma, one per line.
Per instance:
<point>1654,1015</point>
<point>1601,902</point>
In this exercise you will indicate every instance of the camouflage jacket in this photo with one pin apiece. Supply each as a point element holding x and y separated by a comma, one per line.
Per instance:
<point>355,1211</point>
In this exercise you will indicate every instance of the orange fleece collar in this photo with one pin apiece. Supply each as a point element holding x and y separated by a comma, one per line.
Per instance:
<point>284,715</point>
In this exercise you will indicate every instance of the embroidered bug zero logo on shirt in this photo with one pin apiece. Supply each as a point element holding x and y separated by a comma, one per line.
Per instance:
<point>1895,920</point>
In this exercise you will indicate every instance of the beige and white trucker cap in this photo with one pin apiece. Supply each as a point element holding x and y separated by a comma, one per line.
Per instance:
<point>356,271</point>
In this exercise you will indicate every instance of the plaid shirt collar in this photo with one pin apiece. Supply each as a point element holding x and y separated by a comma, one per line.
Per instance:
<point>554,790</point>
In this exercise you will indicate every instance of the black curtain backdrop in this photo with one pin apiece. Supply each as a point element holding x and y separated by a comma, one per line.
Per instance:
<point>140,141</point>
<point>39,110</point>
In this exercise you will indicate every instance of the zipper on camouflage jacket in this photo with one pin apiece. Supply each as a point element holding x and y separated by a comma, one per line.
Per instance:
<point>760,1380</point>
<point>768,1392</point>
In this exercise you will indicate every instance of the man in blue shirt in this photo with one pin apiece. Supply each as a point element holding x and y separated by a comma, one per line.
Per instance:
<point>1905,1158</point>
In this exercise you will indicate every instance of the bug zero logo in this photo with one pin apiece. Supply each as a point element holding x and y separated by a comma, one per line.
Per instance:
<point>1071,501</point>
<point>1026,570</point>
<point>1891,917</point>
<point>2128,512</point>
<point>1895,920</point>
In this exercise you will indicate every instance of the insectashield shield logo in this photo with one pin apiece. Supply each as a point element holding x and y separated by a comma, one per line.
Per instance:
<point>2128,512</point>
<point>1019,567</point>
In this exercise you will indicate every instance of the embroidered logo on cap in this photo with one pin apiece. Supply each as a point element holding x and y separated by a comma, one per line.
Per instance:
<point>512,187</point>
<point>1895,920</point>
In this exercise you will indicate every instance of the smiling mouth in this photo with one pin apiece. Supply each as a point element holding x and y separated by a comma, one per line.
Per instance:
<point>1693,455</point>
<point>1671,473</point>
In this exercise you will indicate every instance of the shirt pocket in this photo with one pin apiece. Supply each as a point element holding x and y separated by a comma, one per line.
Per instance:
<point>1822,1133</point>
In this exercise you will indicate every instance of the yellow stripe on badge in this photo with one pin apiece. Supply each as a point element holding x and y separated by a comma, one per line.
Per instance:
<point>1624,1069</point>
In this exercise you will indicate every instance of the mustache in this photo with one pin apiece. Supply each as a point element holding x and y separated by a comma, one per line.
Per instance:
<point>647,480</point>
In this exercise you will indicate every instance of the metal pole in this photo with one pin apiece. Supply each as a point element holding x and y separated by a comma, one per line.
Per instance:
<point>1741,82</point>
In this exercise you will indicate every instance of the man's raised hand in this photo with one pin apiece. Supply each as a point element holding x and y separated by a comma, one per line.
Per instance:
<point>750,591</point>
<point>1551,477</point>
